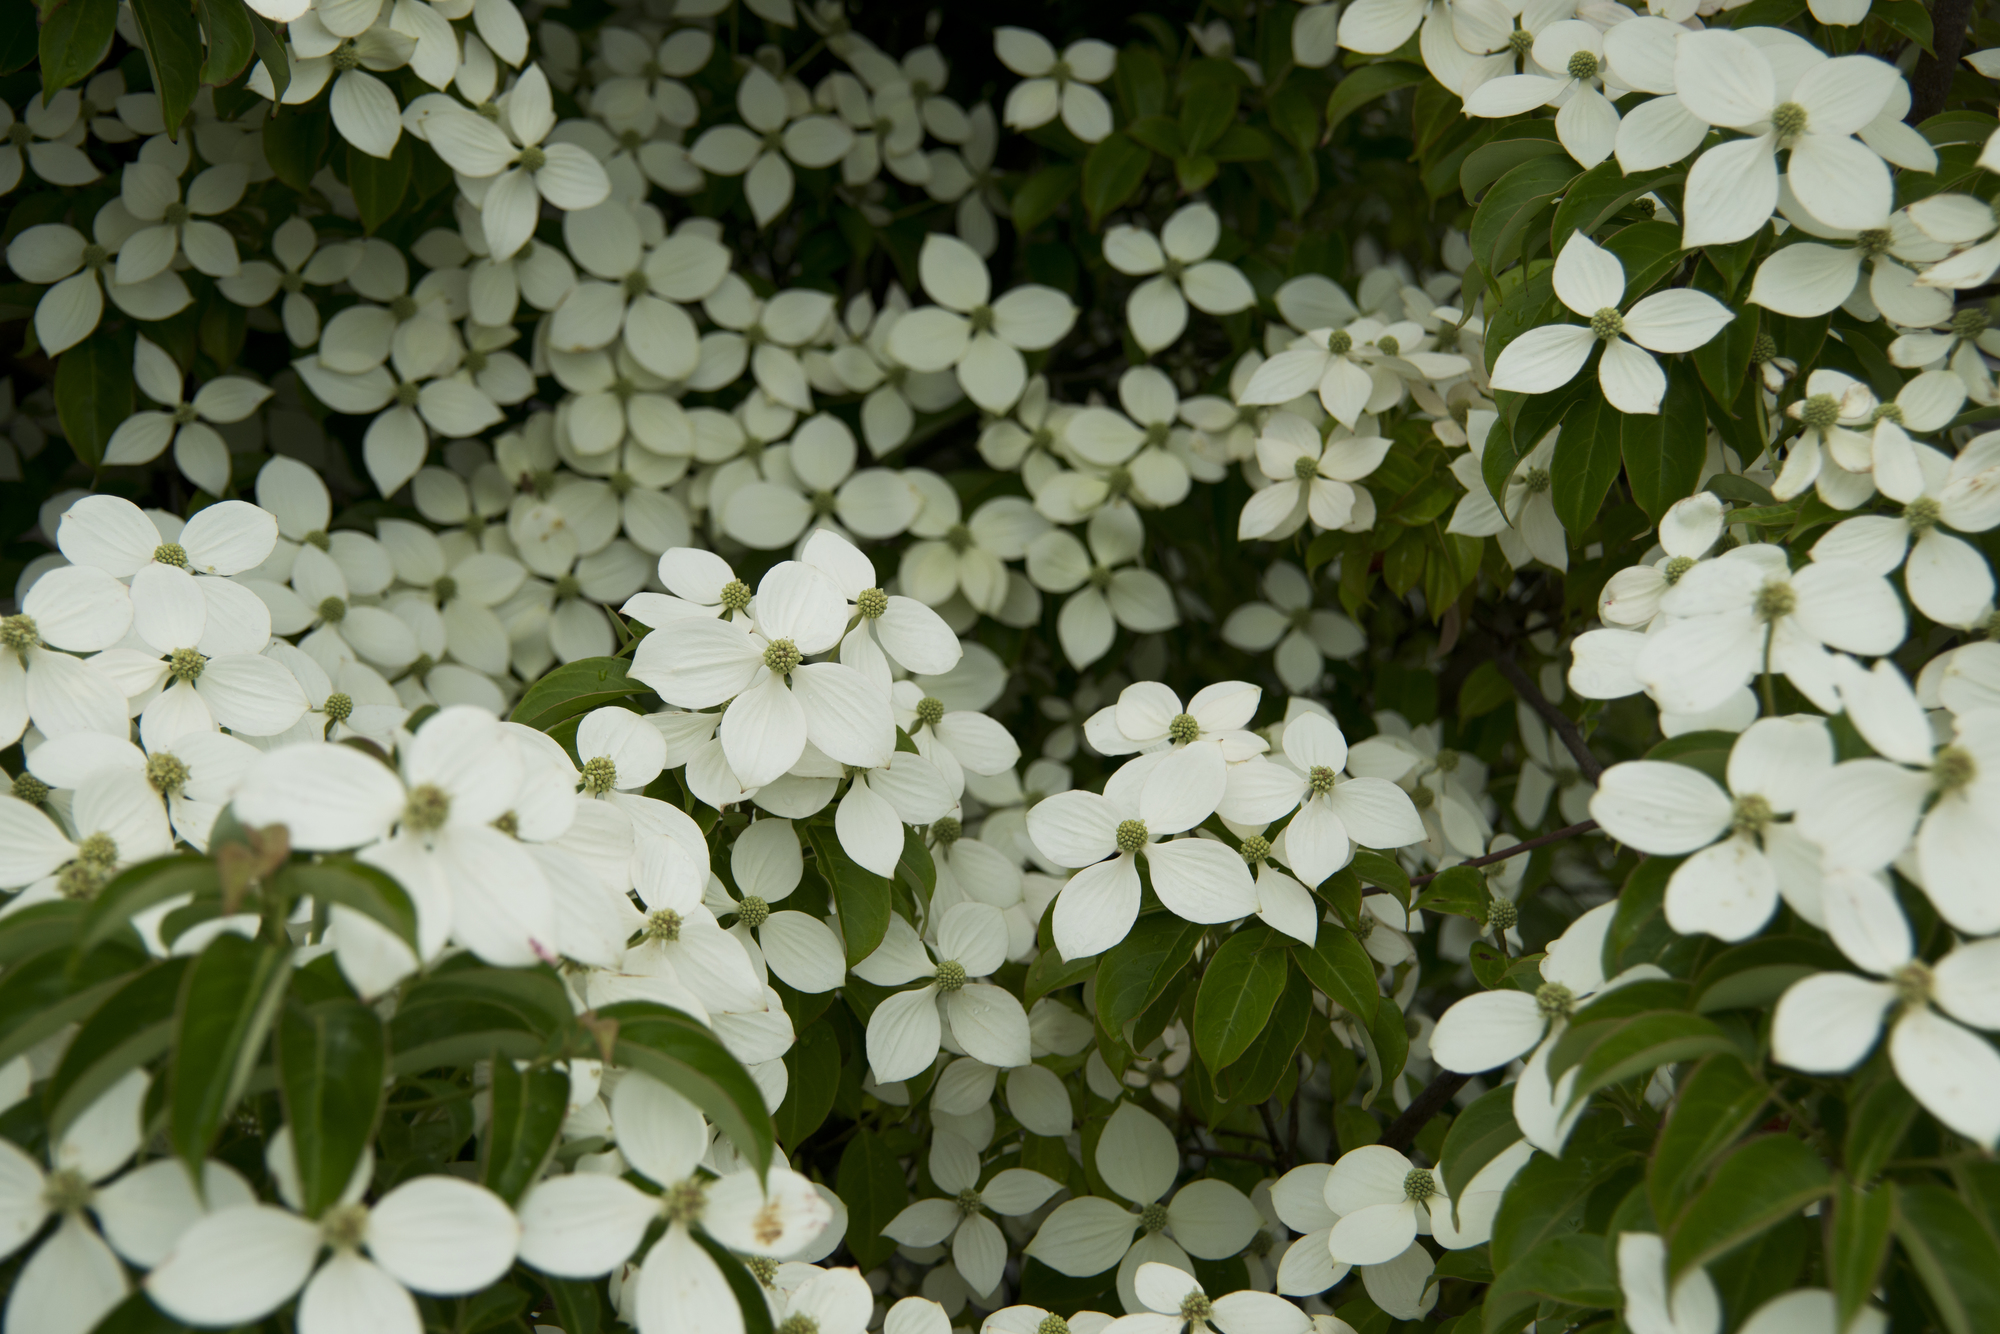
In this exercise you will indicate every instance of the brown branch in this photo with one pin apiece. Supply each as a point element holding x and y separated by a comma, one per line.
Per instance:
<point>1402,1132</point>
<point>1930,82</point>
<point>1561,723</point>
<point>1541,841</point>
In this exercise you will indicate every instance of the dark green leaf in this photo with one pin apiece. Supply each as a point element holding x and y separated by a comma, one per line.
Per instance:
<point>76,34</point>
<point>1361,86</point>
<point>1112,172</point>
<point>353,885</point>
<point>378,183</point>
<point>231,39</point>
<point>1377,868</point>
<point>1458,890</point>
<point>137,888</point>
<point>1645,1043</point>
<point>813,1067</point>
<point>1718,1101</point>
<point>1649,251</point>
<point>1572,1269</point>
<point>1050,973</point>
<point>20,32</point>
<point>1517,142</point>
<point>1514,202</point>
<point>872,1187</point>
<point>1547,1198</point>
<point>1043,193</point>
<point>574,688</point>
<point>1876,1124</point>
<point>1953,1254</point>
<point>1243,981</point>
<point>1341,969</point>
<point>1761,1184</point>
<point>528,1108</point>
<point>1141,82</point>
<point>1664,454</point>
<point>457,1016</point>
<point>228,1001</point>
<point>277,60</point>
<point>743,1285</point>
<point>1260,1073</point>
<point>916,868</point>
<point>1207,106</point>
<point>688,1058</point>
<point>295,144</point>
<point>134,1024</point>
<point>1857,1241</point>
<point>1909,18</point>
<point>1132,974</point>
<point>1586,459</point>
<point>1598,195</point>
<point>578,1307</point>
<point>861,896</point>
<point>173,53</point>
<point>1478,1135</point>
<point>93,383</point>
<point>332,1059</point>
<point>1754,974</point>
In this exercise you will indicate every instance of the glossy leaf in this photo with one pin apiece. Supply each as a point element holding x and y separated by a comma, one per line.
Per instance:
<point>1762,1183</point>
<point>332,1058</point>
<point>527,1111</point>
<point>1242,982</point>
<point>228,1002</point>
<point>688,1058</point>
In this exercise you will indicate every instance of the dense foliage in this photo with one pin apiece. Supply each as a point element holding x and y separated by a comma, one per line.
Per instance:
<point>732,665</point>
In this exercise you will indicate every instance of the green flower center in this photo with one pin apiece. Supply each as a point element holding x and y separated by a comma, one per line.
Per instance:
<point>735,595</point>
<point>185,664</point>
<point>403,308</point>
<point>753,912</point>
<point>981,319</point>
<point>798,1324</point>
<point>951,976</point>
<point>872,603</point>
<point>318,538</point>
<point>947,830</point>
<point>345,57</point>
<point>428,807</point>
<point>1340,342</point>
<point>1874,241</point>
<point>1255,849</point>
<point>332,610</point>
<point>1153,1218</point>
<point>1952,769</point>
<point>1675,568</point>
<point>1763,348</point>
<point>1131,835</point>
<point>600,775</point>
<point>185,415</point>
<point>637,284</point>
<point>67,1191</point>
<point>1776,599</point>
<point>764,1268</point>
<point>96,258</point>
<point>1583,65</point>
<point>30,789</point>
<point>1607,323</point>
<point>19,134</point>
<point>1913,983</point>
<point>1922,513</point>
<point>1502,915</point>
<point>167,773</point>
<point>509,824</point>
<point>1520,41</point>
<point>569,588</point>
<point>1183,729</point>
<point>1555,1001</point>
<point>664,925</point>
<point>1969,323</point>
<point>1820,412</point>
<point>1418,1185</point>
<point>1320,780</point>
<point>782,657</point>
<point>1388,346</point>
<point>1751,815</point>
<point>930,711</point>
<point>1788,121</point>
<point>171,553</point>
<point>339,706</point>
<point>967,1202</point>
<point>176,214</point>
<point>533,158</point>
<point>445,589</point>
<point>18,633</point>
<point>684,1202</point>
<point>292,282</point>
<point>1535,481</point>
<point>344,1226</point>
<point>959,538</point>
<point>408,395</point>
<point>1052,1324</point>
<point>1196,1307</point>
<point>98,850</point>
<point>1305,468</point>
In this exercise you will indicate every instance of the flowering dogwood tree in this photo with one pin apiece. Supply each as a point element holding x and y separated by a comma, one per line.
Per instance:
<point>786,667</point>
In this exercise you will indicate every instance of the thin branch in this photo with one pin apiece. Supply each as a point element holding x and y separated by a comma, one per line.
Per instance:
<point>1277,1142</point>
<point>1930,81</point>
<point>1206,1152</point>
<point>1402,1132</point>
<point>1541,841</point>
<point>1561,723</point>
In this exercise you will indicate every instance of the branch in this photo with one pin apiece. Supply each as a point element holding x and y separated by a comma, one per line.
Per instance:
<point>1930,82</point>
<point>1561,723</point>
<point>1542,841</point>
<point>1402,1132</point>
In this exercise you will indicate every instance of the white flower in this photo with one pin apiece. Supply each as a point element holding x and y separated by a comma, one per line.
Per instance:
<point>1591,282</point>
<point>1310,478</point>
<point>978,1248</point>
<point>1143,805</point>
<point>1334,812</point>
<point>956,741</point>
<point>1305,637</point>
<point>767,866</point>
<point>985,1021</point>
<point>1056,83</point>
<point>1743,857</point>
<point>1726,80</point>
<point>1692,1307</point>
<point>1180,1304</point>
<point>759,153</point>
<point>1527,527</point>
<point>1355,370</point>
<point>306,262</point>
<point>1103,596</point>
<point>1148,717</point>
<point>1688,530</point>
<point>1157,310</point>
<point>971,556</point>
<point>1587,125</point>
<point>982,341</point>
<point>905,790</point>
<point>198,451</point>
<point>680,941</point>
<point>152,195</point>
<point>52,253</point>
<point>1828,1022</point>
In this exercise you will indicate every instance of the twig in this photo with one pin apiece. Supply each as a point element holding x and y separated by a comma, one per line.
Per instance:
<point>1271,1129</point>
<point>1402,1132</point>
<point>1541,841</point>
<point>1561,723</point>
<point>1207,1152</point>
<point>1930,82</point>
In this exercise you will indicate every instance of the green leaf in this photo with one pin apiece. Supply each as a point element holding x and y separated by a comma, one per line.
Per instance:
<point>1586,459</point>
<point>1341,969</point>
<point>1908,18</point>
<point>93,385</point>
<point>1483,691</point>
<point>575,688</point>
<point>1953,1254</point>
<point>1547,1198</point>
<point>1361,86</point>
<point>1517,142</point>
<point>578,1307</point>
<point>872,1187</point>
<point>1754,974</point>
<point>133,1025</point>
<point>742,1285</point>
<point>1876,1124</point>
<point>1664,454</point>
<point>354,885</point>
<point>461,1015</point>
<point>228,1001</point>
<point>528,1107</point>
<point>686,1057</point>
<point>1717,1101</point>
<point>1132,974</point>
<point>378,183</point>
<point>1259,1074</point>
<point>1649,251</point>
<point>277,59</point>
<point>1050,973</point>
<point>1458,890</point>
<point>916,868</point>
<point>137,888</point>
<point>1112,171</point>
<point>76,35</point>
<point>1600,194</point>
<point>19,35</point>
<point>1043,193</point>
<point>1514,202</point>
<point>1380,869</point>
<point>1141,82</point>
<point>1243,981</point>
<point>813,1064</point>
<point>1571,1269</point>
<point>1502,456</point>
<point>332,1060</point>
<point>856,890</point>
<point>231,36</point>
<point>1645,1043</point>
<point>173,53</point>
<point>1761,1184</point>
<point>1857,1241</point>
<point>1207,107</point>
<point>1478,1135</point>
<point>295,144</point>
